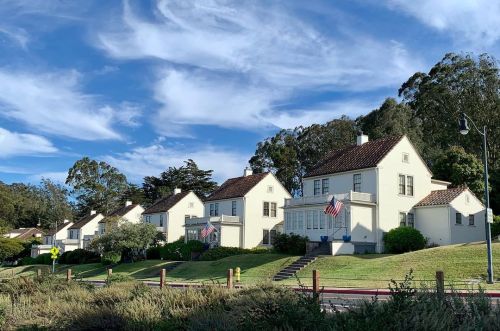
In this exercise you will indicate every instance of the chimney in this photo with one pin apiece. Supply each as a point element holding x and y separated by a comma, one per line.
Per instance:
<point>361,138</point>
<point>65,221</point>
<point>93,212</point>
<point>128,203</point>
<point>247,172</point>
<point>177,190</point>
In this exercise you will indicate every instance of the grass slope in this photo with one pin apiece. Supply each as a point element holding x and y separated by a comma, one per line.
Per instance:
<point>460,263</point>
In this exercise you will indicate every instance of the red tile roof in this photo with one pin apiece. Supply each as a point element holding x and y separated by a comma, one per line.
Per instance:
<point>355,157</point>
<point>236,187</point>
<point>166,203</point>
<point>441,197</point>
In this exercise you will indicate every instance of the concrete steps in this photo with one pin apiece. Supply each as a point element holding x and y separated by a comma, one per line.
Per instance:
<point>290,270</point>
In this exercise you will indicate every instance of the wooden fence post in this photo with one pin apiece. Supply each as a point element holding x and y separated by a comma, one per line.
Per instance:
<point>68,275</point>
<point>440,283</point>
<point>229,278</point>
<point>110,272</point>
<point>163,274</point>
<point>316,283</point>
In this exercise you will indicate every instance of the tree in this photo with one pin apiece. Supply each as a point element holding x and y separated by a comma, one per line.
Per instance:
<point>460,168</point>
<point>456,84</point>
<point>131,240</point>
<point>133,193</point>
<point>392,118</point>
<point>97,185</point>
<point>187,177</point>
<point>10,248</point>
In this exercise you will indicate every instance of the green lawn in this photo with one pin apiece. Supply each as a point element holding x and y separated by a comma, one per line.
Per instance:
<point>460,263</point>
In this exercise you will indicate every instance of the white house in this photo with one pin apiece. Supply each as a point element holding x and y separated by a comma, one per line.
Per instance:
<point>246,211</point>
<point>381,184</point>
<point>128,213</point>
<point>170,213</point>
<point>81,232</point>
<point>48,240</point>
<point>24,233</point>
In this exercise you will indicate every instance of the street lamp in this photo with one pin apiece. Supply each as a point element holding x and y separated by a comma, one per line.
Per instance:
<point>464,129</point>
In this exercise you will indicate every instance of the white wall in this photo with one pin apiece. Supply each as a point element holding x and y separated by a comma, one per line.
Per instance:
<point>253,221</point>
<point>343,182</point>
<point>434,223</point>
<point>134,215</point>
<point>467,204</point>
<point>438,185</point>
<point>189,205</point>
<point>230,236</point>
<point>390,203</point>
<point>362,223</point>
<point>225,207</point>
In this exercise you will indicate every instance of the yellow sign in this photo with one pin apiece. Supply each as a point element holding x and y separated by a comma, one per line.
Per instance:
<point>55,252</point>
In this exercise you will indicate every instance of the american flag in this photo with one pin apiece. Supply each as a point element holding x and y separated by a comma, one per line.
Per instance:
<point>208,229</point>
<point>334,207</point>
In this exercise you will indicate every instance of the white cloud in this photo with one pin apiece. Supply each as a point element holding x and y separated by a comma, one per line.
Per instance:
<point>152,160</point>
<point>55,104</point>
<point>472,21</point>
<point>18,35</point>
<point>58,177</point>
<point>16,144</point>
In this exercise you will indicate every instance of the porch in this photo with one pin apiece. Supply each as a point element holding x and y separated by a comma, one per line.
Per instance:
<point>228,230</point>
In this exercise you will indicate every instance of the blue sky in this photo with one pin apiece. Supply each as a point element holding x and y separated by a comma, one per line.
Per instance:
<point>145,85</point>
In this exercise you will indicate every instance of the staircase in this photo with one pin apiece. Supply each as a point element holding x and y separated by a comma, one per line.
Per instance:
<point>301,263</point>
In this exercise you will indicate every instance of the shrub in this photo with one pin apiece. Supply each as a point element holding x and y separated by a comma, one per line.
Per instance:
<point>28,260</point>
<point>119,278</point>
<point>109,258</point>
<point>79,256</point>
<point>9,248</point>
<point>290,244</point>
<point>495,227</point>
<point>153,253</point>
<point>403,239</point>
<point>180,251</point>
<point>45,258</point>
<point>218,253</point>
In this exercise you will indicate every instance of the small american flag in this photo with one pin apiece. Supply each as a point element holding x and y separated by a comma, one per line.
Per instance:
<point>208,229</point>
<point>334,207</point>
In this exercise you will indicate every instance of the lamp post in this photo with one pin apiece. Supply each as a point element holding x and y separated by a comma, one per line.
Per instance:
<point>464,129</point>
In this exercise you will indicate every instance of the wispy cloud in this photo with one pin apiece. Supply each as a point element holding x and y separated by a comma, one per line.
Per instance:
<point>54,103</point>
<point>474,22</point>
<point>153,159</point>
<point>58,177</point>
<point>18,35</point>
<point>17,144</point>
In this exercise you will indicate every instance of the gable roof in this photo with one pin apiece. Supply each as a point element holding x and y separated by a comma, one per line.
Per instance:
<point>166,203</point>
<point>236,187</point>
<point>26,233</point>
<point>119,212</point>
<point>83,221</point>
<point>355,157</point>
<point>441,197</point>
<point>52,231</point>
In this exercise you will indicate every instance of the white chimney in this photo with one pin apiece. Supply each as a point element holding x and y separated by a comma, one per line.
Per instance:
<point>93,212</point>
<point>128,203</point>
<point>177,190</point>
<point>247,172</point>
<point>361,139</point>
<point>65,221</point>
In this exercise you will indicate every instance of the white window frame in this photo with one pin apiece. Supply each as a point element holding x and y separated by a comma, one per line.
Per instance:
<point>266,211</point>
<point>472,218</point>
<point>315,220</point>
<point>300,220</point>
<point>406,157</point>
<point>233,208</point>
<point>325,186</point>
<point>268,237</point>
<point>411,223</point>
<point>322,220</point>
<point>270,189</point>
<point>456,219</point>
<point>309,217</point>
<point>355,182</point>
<point>402,222</point>
<point>288,220</point>
<point>317,188</point>
<point>410,178</point>
<point>273,209</point>
<point>401,185</point>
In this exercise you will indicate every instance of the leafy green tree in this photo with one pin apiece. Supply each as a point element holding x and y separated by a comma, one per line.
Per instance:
<point>187,177</point>
<point>131,240</point>
<point>460,168</point>
<point>10,248</point>
<point>97,185</point>
<point>133,193</point>
<point>392,118</point>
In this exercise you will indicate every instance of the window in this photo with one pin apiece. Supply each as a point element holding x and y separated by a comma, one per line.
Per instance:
<point>71,234</point>
<point>316,187</point>
<point>406,158</point>
<point>458,218</point>
<point>402,219</point>
<point>274,208</point>
<point>330,221</point>
<point>409,185</point>
<point>325,186</point>
<point>265,210</point>
<point>294,221</point>
<point>161,219</point>
<point>402,185</point>
<point>270,189</point>
<point>214,209</point>
<point>288,221</point>
<point>265,237</point>
<point>467,199</point>
<point>356,182</point>
<point>191,205</point>
<point>272,236</point>
<point>410,218</point>
<point>321,220</point>
<point>192,234</point>
<point>315,219</point>
<point>300,220</point>
<point>309,219</point>
<point>471,219</point>
<point>233,208</point>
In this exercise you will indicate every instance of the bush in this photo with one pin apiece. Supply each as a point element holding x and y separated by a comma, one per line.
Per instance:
<point>119,278</point>
<point>109,258</point>
<point>45,258</point>
<point>495,227</point>
<point>403,239</point>
<point>28,260</point>
<point>179,251</point>
<point>79,256</point>
<point>218,253</point>
<point>290,244</point>
<point>153,253</point>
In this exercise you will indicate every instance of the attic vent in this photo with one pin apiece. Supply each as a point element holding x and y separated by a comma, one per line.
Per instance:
<point>406,158</point>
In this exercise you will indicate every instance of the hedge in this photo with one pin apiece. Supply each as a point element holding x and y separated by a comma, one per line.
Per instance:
<point>290,244</point>
<point>403,239</point>
<point>79,256</point>
<point>180,251</point>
